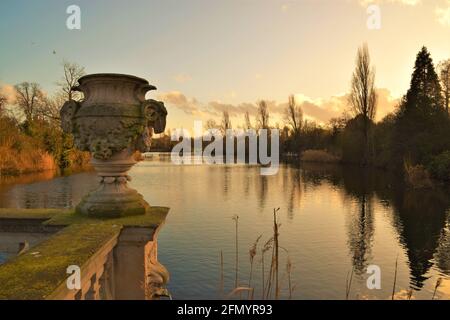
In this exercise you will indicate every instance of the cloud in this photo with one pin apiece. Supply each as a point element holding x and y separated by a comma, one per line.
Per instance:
<point>443,15</point>
<point>180,101</point>
<point>323,110</point>
<point>386,103</point>
<point>319,110</point>
<point>8,91</point>
<point>182,78</point>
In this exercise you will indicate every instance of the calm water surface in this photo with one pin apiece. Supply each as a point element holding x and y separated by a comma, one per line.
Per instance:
<point>333,220</point>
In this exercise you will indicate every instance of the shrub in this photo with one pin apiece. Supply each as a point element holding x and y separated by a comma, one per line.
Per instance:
<point>439,166</point>
<point>417,176</point>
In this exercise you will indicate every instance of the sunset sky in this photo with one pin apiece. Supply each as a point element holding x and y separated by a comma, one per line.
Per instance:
<point>206,56</point>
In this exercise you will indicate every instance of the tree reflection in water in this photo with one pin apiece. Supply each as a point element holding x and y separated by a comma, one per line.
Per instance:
<point>420,217</point>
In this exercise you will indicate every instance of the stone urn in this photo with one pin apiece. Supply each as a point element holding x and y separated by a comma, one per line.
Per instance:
<point>112,122</point>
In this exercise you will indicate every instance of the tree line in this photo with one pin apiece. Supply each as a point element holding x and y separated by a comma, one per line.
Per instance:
<point>413,139</point>
<point>31,138</point>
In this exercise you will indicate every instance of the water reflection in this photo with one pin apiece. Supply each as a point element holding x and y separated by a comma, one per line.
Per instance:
<point>419,216</point>
<point>422,218</point>
<point>45,190</point>
<point>333,218</point>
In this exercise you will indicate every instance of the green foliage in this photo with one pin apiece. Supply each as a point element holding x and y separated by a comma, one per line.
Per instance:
<point>418,132</point>
<point>422,126</point>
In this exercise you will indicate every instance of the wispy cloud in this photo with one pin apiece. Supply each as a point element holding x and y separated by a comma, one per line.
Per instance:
<point>318,110</point>
<point>8,91</point>
<point>180,101</point>
<point>443,14</point>
<point>323,110</point>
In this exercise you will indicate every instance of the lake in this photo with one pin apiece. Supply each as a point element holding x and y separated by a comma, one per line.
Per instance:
<point>334,221</point>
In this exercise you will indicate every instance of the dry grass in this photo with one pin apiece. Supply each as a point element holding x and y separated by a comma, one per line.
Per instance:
<point>252,254</point>
<point>395,279</point>
<point>236,280</point>
<point>438,284</point>
<point>348,283</point>
<point>417,176</point>
<point>270,285</point>
<point>320,156</point>
<point>18,162</point>
<point>267,246</point>
<point>19,153</point>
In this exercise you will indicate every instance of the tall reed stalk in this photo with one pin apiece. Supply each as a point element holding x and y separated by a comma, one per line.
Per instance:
<point>267,246</point>
<point>273,272</point>
<point>270,277</point>
<point>236,279</point>
<point>252,254</point>
<point>395,278</point>
<point>221,286</point>
<point>276,234</point>
<point>438,284</point>
<point>410,293</point>
<point>348,283</point>
<point>288,270</point>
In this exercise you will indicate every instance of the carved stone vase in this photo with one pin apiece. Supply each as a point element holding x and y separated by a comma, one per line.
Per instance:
<point>112,122</point>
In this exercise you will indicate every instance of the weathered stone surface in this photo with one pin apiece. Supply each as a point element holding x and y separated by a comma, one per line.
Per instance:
<point>93,244</point>
<point>113,122</point>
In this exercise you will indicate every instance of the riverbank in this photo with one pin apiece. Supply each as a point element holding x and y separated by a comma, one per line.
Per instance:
<point>36,146</point>
<point>13,163</point>
<point>415,176</point>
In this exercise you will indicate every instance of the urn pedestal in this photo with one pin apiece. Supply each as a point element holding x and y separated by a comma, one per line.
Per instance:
<point>112,122</point>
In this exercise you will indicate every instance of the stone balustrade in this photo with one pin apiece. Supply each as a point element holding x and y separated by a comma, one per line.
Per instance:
<point>117,258</point>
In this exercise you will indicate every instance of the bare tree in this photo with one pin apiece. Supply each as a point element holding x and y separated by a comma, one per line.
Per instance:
<point>29,99</point>
<point>51,106</point>
<point>263,115</point>
<point>294,115</point>
<point>3,101</point>
<point>248,123</point>
<point>363,96</point>
<point>72,72</point>
<point>211,124</point>
<point>226,122</point>
<point>444,77</point>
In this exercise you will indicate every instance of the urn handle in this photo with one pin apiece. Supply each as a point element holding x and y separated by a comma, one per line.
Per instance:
<point>141,91</point>
<point>155,114</point>
<point>67,114</point>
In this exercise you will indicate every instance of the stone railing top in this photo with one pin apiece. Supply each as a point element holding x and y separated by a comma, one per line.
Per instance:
<point>37,273</point>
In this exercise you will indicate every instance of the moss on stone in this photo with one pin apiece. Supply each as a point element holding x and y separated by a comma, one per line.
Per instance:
<point>37,273</point>
<point>154,217</point>
<point>41,214</point>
